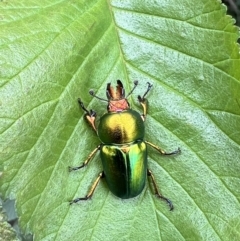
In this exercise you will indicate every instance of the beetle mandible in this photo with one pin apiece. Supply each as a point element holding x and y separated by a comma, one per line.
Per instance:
<point>123,150</point>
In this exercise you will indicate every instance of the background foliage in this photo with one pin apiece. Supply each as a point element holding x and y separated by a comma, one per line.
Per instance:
<point>53,52</point>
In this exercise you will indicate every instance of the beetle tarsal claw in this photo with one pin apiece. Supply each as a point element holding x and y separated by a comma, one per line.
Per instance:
<point>78,199</point>
<point>168,201</point>
<point>149,85</point>
<point>70,169</point>
<point>178,151</point>
<point>169,204</point>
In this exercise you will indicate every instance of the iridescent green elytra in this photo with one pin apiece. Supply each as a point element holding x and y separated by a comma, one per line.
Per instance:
<point>123,150</point>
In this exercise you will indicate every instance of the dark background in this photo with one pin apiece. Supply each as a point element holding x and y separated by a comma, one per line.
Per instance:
<point>233,9</point>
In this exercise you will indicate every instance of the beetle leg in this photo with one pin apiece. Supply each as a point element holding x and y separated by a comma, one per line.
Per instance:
<point>89,195</point>
<point>162,151</point>
<point>90,115</point>
<point>157,192</point>
<point>91,155</point>
<point>143,101</point>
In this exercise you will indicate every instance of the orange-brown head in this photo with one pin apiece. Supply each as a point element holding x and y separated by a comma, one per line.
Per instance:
<point>117,101</point>
<point>116,98</point>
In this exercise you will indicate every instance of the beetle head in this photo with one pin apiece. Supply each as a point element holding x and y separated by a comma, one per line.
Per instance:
<point>116,99</point>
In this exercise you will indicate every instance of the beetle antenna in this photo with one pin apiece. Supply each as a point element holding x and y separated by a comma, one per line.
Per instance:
<point>135,85</point>
<point>91,92</point>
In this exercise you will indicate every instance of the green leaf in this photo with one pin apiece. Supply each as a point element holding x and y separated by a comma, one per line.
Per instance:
<point>52,52</point>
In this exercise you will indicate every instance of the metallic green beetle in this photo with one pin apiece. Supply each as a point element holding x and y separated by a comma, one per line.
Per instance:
<point>123,151</point>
